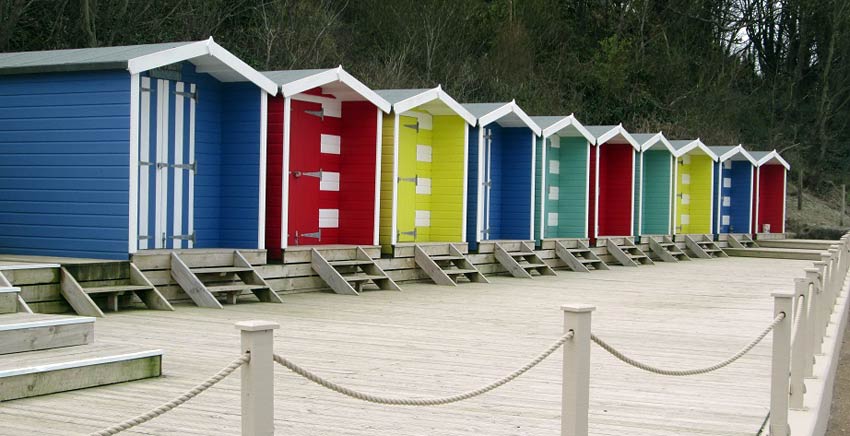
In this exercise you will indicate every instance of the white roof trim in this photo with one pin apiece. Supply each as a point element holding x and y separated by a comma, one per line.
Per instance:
<point>619,130</point>
<point>497,114</point>
<point>434,94</point>
<point>658,137</point>
<point>738,149</point>
<point>697,144</point>
<point>197,49</point>
<point>567,121</point>
<point>333,75</point>
<point>774,155</point>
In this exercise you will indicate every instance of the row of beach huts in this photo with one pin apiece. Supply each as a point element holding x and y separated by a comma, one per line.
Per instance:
<point>105,152</point>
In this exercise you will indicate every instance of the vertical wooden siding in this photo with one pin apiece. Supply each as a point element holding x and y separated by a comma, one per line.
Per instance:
<point>571,204</point>
<point>512,175</point>
<point>64,154</point>
<point>357,189</point>
<point>274,174</point>
<point>388,184</point>
<point>699,193</point>
<point>615,190</point>
<point>447,178</point>
<point>771,198</point>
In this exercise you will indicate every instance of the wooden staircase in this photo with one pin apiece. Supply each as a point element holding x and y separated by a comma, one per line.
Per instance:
<point>740,241</point>
<point>10,298</point>
<point>522,262</point>
<point>350,276</point>
<point>207,276</point>
<point>45,354</point>
<point>666,250</point>
<point>446,264</point>
<point>111,284</point>
<point>703,246</point>
<point>626,252</point>
<point>578,256</point>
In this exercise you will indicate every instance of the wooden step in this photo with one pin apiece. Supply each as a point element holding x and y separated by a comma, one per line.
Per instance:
<point>446,258</point>
<point>349,282</point>
<point>522,253</point>
<point>626,253</point>
<point>64,369</point>
<point>220,270</point>
<point>528,265</point>
<point>520,269</point>
<point>235,287</point>
<point>9,299</point>
<point>361,277</point>
<point>116,289</point>
<point>451,262</point>
<point>351,262</point>
<point>578,258</point>
<point>29,332</point>
<point>460,271</point>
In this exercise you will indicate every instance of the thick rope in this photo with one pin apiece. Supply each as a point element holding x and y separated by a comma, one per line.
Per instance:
<point>797,320</point>
<point>153,413</point>
<point>679,373</point>
<point>420,401</point>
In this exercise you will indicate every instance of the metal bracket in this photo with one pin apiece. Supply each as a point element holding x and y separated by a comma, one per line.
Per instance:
<point>160,165</point>
<point>146,164</point>
<point>680,195</point>
<point>485,232</point>
<point>410,233</point>
<point>316,174</point>
<point>188,94</point>
<point>319,113</point>
<point>488,134</point>
<point>413,126</point>
<point>488,183</point>
<point>190,237</point>
<point>191,167</point>
<point>315,235</point>
<point>414,179</point>
<point>144,237</point>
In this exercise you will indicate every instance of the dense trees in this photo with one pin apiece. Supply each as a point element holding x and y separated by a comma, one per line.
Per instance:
<point>768,73</point>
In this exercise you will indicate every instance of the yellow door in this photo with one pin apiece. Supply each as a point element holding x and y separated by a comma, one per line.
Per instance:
<point>683,195</point>
<point>406,188</point>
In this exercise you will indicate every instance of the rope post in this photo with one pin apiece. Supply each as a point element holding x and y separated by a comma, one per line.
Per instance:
<point>823,307</point>
<point>783,302</point>
<point>799,348</point>
<point>835,276</point>
<point>813,341</point>
<point>575,392</point>
<point>258,377</point>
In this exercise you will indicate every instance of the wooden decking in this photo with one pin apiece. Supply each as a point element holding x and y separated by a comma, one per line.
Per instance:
<point>432,340</point>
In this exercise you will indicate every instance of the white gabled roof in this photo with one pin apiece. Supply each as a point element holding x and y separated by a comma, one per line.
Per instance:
<point>605,134</point>
<point>293,82</point>
<point>506,114</point>
<point>403,100</point>
<point>562,126</point>
<point>685,146</point>
<point>649,141</point>
<point>726,152</point>
<point>765,157</point>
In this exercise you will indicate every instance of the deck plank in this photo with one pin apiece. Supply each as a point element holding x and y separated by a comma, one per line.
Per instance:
<point>432,340</point>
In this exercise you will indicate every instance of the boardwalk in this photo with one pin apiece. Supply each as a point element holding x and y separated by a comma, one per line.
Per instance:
<point>431,340</point>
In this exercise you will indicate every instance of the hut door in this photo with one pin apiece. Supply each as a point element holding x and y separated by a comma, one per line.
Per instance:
<point>166,164</point>
<point>408,133</point>
<point>306,178</point>
<point>488,184</point>
<point>683,198</point>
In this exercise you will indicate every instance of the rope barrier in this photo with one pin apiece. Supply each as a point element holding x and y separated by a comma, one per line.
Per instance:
<point>192,393</point>
<point>420,401</point>
<point>797,320</point>
<point>687,372</point>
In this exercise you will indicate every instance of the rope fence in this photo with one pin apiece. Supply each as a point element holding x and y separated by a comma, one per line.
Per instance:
<point>438,401</point>
<point>176,402</point>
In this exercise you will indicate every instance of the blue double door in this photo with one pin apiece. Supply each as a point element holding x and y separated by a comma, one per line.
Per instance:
<point>166,164</point>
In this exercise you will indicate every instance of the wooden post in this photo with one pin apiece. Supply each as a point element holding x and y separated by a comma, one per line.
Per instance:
<point>813,343</point>
<point>799,346</point>
<point>783,302</point>
<point>575,392</point>
<point>258,378</point>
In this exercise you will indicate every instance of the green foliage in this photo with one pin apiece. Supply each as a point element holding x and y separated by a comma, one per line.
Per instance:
<point>766,73</point>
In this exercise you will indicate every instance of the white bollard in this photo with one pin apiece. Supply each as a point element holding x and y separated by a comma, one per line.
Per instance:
<point>258,377</point>
<point>783,302</point>
<point>799,345</point>
<point>575,391</point>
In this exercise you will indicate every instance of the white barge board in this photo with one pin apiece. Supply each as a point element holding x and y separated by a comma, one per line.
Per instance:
<point>430,340</point>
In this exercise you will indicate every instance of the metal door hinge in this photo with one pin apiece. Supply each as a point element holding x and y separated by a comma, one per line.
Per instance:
<point>146,89</point>
<point>319,113</point>
<point>488,134</point>
<point>679,195</point>
<point>413,126</point>
<point>144,237</point>
<point>188,94</point>
<point>488,183</point>
<point>316,174</point>
<point>485,232</point>
<point>410,233</point>
<point>414,180</point>
<point>191,167</point>
<point>146,164</point>
<point>190,237</point>
<point>314,235</point>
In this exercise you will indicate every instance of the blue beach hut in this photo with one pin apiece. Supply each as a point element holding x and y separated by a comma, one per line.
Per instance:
<point>733,192</point>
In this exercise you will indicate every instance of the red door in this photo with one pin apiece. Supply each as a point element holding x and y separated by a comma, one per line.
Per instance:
<point>305,172</point>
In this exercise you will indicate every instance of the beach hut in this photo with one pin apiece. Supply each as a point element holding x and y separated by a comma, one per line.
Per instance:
<point>770,191</point>
<point>694,172</point>
<point>563,167</point>
<point>501,173</point>
<point>423,168</point>
<point>654,178</point>
<point>108,151</point>
<point>733,190</point>
<point>612,182</point>
<point>323,178</point>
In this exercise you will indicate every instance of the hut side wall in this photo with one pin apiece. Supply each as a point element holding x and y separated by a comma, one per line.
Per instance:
<point>359,130</point>
<point>64,158</point>
<point>695,204</point>
<point>734,201</point>
<point>511,163</point>
<point>771,198</point>
<point>570,201</point>
<point>447,182</point>
<point>274,175</point>
<point>388,183</point>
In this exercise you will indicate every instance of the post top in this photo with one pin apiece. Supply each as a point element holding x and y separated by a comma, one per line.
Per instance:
<point>819,263</point>
<point>812,270</point>
<point>256,325</point>
<point>783,294</point>
<point>578,308</point>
